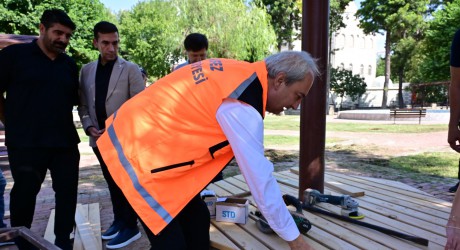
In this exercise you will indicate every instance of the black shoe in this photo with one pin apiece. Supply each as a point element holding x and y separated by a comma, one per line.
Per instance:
<point>64,244</point>
<point>454,188</point>
<point>112,231</point>
<point>124,238</point>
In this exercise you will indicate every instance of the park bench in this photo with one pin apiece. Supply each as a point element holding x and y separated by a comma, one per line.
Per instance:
<point>407,113</point>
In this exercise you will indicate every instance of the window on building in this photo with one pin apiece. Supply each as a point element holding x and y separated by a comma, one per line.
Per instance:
<point>361,70</point>
<point>342,66</point>
<point>363,43</point>
<point>351,42</point>
<point>371,43</point>
<point>340,40</point>
<point>350,67</point>
<point>369,70</point>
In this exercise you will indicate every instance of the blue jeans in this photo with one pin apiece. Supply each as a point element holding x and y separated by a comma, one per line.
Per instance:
<point>2,200</point>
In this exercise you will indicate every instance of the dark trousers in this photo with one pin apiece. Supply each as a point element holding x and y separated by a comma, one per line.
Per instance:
<point>122,210</point>
<point>189,230</point>
<point>28,168</point>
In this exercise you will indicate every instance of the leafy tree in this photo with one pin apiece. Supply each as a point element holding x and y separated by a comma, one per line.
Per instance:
<point>234,29</point>
<point>285,19</point>
<point>397,18</point>
<point>380,71</point>
<point>344,83</point>
<point>337,7</point>
<point>23,17</point>
<point>153,32</point>
<point>432,60</point>
<point>151,36</point>
<point>402,54</point>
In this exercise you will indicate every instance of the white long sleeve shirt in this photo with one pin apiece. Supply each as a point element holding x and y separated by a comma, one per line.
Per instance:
<point>243,126</point>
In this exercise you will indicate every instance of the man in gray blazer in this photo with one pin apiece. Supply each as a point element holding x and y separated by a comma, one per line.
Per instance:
<point>105,85</point>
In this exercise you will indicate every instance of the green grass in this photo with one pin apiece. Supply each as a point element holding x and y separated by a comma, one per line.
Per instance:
<point>286,140</point>
<point>83,136</point>
<point>292,122</point>
<point>436,164</point>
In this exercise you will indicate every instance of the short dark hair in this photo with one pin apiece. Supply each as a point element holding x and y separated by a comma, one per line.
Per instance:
<point>195,42</point>
<point>104,27</point>
<point>52,16</point>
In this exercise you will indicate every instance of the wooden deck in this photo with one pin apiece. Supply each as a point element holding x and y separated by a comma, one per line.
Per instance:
<point>385,203</point>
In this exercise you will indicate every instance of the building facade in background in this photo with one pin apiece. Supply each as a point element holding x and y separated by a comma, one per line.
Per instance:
<point>353,50</point>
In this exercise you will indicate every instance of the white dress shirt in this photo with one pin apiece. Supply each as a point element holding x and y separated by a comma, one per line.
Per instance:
<point>243,126</point>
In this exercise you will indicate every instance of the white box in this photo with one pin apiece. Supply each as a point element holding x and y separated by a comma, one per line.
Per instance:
<point>232,210</point>
<point>209,197</point>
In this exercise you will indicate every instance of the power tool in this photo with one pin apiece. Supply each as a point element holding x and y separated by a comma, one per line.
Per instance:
<point>349,205</point>
<point>301,222</point>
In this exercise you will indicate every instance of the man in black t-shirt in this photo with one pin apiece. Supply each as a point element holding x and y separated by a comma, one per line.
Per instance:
<point>41,85</point>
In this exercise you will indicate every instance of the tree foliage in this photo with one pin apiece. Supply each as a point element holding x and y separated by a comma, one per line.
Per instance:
<point>152,32</point>
<point>285,19</point>
<point>151,36</point>
<point>344,83</point>
<point>23,17</point>
<point>432,60</point>
<point>396,18</point>
<point>337,7</point>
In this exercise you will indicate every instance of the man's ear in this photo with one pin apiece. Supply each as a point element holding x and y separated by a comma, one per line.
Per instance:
<point>95,43</point>
<point>41,28</point>
<point>280,79</point>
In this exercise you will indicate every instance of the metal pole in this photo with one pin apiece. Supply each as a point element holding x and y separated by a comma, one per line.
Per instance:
<point>315,40</point>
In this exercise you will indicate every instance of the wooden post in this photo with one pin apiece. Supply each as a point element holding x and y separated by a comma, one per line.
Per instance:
<point>315,37</point>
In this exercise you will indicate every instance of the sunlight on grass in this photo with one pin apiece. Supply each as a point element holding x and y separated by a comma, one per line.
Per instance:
<point>292,122</point>
<point>438,164</point>
<point>285,140</point>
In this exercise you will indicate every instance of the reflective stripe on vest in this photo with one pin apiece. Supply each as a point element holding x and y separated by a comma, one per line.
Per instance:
<point>129,169</point>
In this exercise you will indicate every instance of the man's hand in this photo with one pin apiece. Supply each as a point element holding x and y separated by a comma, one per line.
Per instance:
<point>453,238</point>
<point>453,137</point>
<point>93,132</point>
<point>299,244</point>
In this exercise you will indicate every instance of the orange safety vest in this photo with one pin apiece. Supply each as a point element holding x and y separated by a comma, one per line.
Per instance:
<point>163,146</point>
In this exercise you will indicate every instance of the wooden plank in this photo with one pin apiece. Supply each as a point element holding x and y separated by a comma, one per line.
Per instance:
<point>339,187</point>
<point>387,222</point>
<point>95,222</point>
<point>376,236</point>
<point>405,210</point>
<point>77,242</point>
<point>240,237</point>
<point>218,190</point>
<point>366,232</point>
<point>392,184</point>
<point>84,229</point>
<point>432,200</point>
<point>49,231</point>
<point>393,194</point>
<point>397,199</point>
<point>337,237</point>
<point>437,241</point>
<point>36,240</point>
<point>219,240</point>
<point>229,187</point>
<point>319,235</point>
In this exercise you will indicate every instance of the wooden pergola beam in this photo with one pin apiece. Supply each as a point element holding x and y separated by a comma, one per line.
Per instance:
<point>315,40</point>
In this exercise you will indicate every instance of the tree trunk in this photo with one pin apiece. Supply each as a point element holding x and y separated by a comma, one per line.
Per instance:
<point>387,70</point>
<point>400,93</point>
